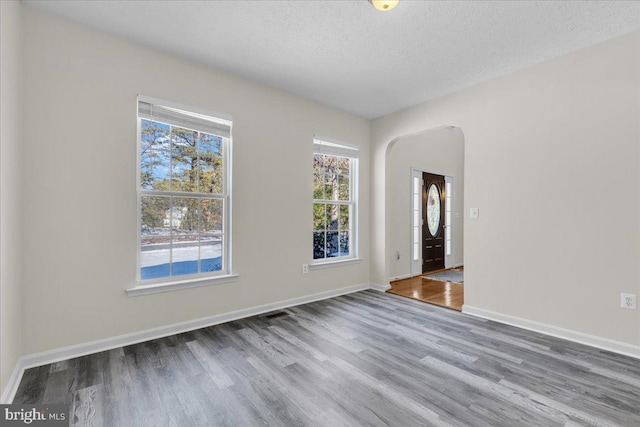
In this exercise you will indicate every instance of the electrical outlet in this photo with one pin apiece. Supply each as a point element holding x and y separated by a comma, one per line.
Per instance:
<point>305,268</point>
<point>628,301</point>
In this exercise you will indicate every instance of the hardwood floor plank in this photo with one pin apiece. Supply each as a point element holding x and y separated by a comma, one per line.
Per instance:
<point>33,385</point>
<point>57,390</point>
<point>86,410</point>
<point>212,367</point>
<point>366,358</point>
<point>443,294</point>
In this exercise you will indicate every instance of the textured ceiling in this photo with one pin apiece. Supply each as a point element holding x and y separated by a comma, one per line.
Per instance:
<point>350,56</point>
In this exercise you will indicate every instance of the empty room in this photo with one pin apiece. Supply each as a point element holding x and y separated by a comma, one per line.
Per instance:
<point>319,213</point>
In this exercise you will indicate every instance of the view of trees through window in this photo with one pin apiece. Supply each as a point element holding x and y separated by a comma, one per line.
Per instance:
<point>332,206</point>
<point>182,200</point>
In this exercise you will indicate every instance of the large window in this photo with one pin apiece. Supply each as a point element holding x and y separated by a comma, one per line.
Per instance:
<point>183,193</point>
<point>334,200</point>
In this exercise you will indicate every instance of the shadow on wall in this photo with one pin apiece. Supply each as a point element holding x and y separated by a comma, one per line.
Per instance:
<point>439,151</point>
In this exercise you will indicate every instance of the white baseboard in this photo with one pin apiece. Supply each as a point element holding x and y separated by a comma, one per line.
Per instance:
<point>554,331</point>
<point>13,383</point>
<point>64,353</point>
<point>379,288</point>
<point>402,277</point>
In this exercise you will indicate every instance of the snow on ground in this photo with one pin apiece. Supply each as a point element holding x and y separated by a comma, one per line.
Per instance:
<point>161,256</point>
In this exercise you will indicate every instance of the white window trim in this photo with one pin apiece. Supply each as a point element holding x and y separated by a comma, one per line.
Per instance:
<point>172,283</point>
<point>416,264</point>
<point>448,222</point>
<point>337,262</point>
<point>157,288</point>
<point>352,258</point>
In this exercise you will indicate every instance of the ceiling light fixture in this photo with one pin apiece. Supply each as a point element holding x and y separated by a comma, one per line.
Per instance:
<point>384,5</point>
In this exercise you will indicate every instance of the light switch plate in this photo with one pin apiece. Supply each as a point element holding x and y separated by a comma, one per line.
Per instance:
<point>474,213</point>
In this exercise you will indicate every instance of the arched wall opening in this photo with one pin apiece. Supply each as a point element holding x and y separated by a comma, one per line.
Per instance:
<point>438,151</point>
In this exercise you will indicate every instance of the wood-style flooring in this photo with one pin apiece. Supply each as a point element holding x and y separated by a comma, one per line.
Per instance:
<point>367,358</point>
<point>444,294</point>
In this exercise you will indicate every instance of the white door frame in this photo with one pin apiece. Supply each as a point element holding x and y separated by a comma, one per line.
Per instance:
<point>416,257</point>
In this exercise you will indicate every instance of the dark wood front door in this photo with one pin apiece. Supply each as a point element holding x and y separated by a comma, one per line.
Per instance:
<point>432,222</point>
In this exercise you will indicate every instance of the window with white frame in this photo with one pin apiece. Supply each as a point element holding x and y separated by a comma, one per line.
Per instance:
<point>183,193</point>
<point>334,200</point>
<point>416,226</point>
<point>448,203</point>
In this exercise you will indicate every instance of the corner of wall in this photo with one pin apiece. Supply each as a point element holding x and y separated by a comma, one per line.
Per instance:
<point>11,105</point>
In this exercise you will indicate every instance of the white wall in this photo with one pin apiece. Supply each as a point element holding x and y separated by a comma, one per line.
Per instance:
<point>440,151</point>
<point>10,197</point>
<point>80,196</point>
<point>543,146</point>
<point>552,161</point>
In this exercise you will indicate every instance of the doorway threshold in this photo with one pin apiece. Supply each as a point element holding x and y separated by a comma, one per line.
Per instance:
<point>444,294</point>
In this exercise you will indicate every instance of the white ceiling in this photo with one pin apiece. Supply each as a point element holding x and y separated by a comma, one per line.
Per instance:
<point>350,56</point>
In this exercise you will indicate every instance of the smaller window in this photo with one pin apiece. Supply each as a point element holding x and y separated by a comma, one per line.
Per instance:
<point>334,200</point>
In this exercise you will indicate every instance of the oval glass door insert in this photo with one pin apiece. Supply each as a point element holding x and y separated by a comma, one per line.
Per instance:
<point>433,209</point>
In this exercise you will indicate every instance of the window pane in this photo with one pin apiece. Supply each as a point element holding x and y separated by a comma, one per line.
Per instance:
<point>155,238</point>
<point>184,255</point>
<point>416,234</point>
<point>210,145</point>
<point>416,218</point>
<point>154,170</point>
<point>211,217</point>
<point>153,213</point>
<point>184,172</point>
<point>343,187</point>
<point>448,233</point>
<point>211,175</point>
<point>344,223</point>
<point>319,217</point>
<point>344,243</point>
<point>332,244</point>
<point>184,216</point>
<point>184,158</point>
<point>318,244</point>
<point>318,163</point>
<point>331,187</point>
<point>154,135</point>
<point>332,216</point>
<point>416,251</point>
<point>344,166</point>
<point>331,165</point>
<point>416,201</point>
<point>154,261</point>
<point>416,185</point>
<point>210,254</point>
<point>318,186</point>
<point>448,218</point>
<point>183,141</point>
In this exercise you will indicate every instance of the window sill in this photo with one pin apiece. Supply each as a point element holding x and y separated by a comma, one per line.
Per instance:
<point>156,288</point>
<point>338,263</point>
